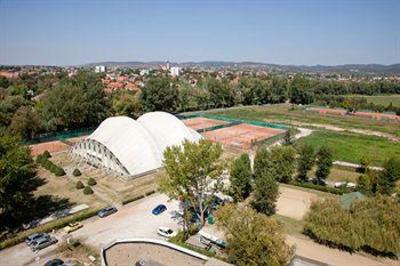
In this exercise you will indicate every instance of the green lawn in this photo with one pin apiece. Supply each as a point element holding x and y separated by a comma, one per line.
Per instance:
<point>352,147</point>
<point>381,99</point>
<point>283,113</point>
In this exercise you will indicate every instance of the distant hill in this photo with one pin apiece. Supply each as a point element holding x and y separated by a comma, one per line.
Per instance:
<point>349,68</point>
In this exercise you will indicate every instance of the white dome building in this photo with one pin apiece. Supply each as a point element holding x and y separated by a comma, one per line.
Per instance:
<point>133,147</point>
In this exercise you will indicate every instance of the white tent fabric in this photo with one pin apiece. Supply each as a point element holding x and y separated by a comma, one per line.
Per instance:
<point>139,144</point>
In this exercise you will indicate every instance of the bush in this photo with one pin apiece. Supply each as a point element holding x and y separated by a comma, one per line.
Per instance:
<point>76,172</point>
<point>371,225</point>
<point>46,154</point>
<point>79,185</point>
<point>87,190</point>
<point>58,171</point>
<point>92,182</point>
<point>43,160</point>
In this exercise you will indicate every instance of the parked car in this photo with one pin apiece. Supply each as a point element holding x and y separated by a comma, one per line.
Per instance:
<point>166,232</point>
<point>43,243</point>
<point>54,262</point>
<point>159,209</point>
<point>31,224</point>
<point>106,211</point>
<point>32,238</point>
<point>72,227</point>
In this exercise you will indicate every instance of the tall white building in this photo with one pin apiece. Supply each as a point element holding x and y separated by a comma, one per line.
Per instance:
<point>100,69</point>
<point>175,71</point>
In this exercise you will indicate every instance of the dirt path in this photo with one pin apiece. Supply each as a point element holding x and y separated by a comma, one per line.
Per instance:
<point>340,129</point>
<point>309,249</point>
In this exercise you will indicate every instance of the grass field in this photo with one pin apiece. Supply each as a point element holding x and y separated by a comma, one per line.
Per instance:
<point>352,147</point>
<point>339,173</point>
<point>283,113</point>
<point>381,99</point>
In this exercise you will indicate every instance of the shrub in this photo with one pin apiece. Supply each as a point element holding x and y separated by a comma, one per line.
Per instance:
<point>92,182</point>
<point>76,172</point>
<point>338,191</point>
<point>79,185</point>
<point>46,154</point>
<point>87,190</point>
<point>58,171</point>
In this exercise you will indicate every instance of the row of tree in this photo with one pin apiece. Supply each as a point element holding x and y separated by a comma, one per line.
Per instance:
<point>62,102</point>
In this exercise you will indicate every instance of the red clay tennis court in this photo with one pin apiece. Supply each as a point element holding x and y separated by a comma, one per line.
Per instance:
<point>52,146</point>
<point>199,123</point>
<point>242,136</point>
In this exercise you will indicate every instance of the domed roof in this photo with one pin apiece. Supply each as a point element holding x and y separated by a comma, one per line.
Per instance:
<point>139,144</point>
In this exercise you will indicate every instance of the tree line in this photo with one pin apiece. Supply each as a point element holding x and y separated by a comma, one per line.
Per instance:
<point>35,104</point>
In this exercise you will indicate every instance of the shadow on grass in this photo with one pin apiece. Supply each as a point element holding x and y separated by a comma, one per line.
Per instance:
<point>30,209</point>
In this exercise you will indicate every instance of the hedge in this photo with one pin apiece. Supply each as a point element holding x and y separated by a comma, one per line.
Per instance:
<point>137,197</point>
<point>44,161</point>
<point>45,228</point>
<point>337,191</point>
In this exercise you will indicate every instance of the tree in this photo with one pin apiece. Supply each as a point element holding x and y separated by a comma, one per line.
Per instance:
<point>266,188</point>
<point>300,92</point>
<point>25,123</point>
<point>283,159</point>
<point>240,177</point>
<point>324,163</point>
<point>252,238</point>
<point>386,180</point>
<point>194,174</point>
<point>75,102</point>
<point>126,103</point>
<point>17,178</point>
<point>366,183</point>
<point>288,138</point>
<point>159,94</point>
<point>305,161</point>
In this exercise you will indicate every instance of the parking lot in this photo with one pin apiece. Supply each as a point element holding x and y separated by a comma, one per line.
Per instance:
<point>133,220</point>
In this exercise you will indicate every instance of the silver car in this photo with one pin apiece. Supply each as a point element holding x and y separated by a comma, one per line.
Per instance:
<point>43,243</point>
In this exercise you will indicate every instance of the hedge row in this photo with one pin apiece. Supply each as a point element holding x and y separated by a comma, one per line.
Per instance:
<point>371,225</point>
<point>337,191</point>
<point>60,223</point>
<point>43,160</point>
<point>137,197</point>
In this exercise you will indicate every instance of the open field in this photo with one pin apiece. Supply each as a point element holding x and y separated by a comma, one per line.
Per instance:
<point>381,99</point>
<point>352,147</point>
<point>340,174</point>
<point>285,114</point>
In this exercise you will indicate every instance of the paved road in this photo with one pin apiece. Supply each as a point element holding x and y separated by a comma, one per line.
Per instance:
<point>134,220</point>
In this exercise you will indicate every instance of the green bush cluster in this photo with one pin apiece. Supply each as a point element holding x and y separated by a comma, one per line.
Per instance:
<point>92,182</point>
<point>76,172</point>
<point>79,185</point>
<point>87,190</point>
<point>60,223</point>
<point>371,225</point>
<point>43,160</point>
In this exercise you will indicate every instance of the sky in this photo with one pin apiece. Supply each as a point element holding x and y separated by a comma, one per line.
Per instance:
<point>299,32</point>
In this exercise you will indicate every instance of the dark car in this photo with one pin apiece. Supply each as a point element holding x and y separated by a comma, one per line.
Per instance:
<point>54,262</point>
<point>159,209</point>
<point>43,243</point>
<point>33,238</point>
<point>106,211</point>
